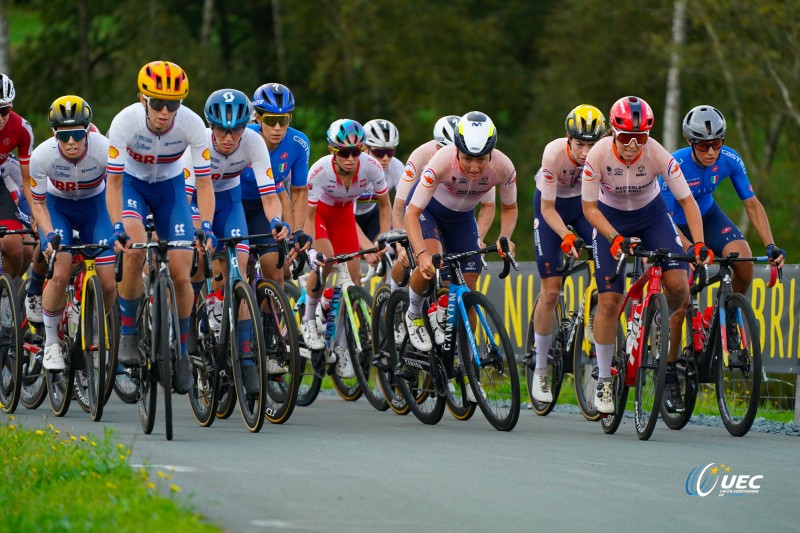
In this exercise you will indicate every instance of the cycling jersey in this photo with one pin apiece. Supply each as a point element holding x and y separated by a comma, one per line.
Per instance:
<point>12,176</point>
<point>628,186</point>
<point>17,133</point>
<point>703,180</point>
<point>53,173</point>
<point>367,201</point>
<point>289,163</point>
<point>324,185</point>
<point>414,167</point>
<point>458,192</point>
<point>226,169</point>
<point>155,157</point>
<point>559,176</point>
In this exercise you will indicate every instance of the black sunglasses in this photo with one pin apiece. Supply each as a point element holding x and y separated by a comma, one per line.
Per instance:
<point>158,104</point>
<point>64,135</point>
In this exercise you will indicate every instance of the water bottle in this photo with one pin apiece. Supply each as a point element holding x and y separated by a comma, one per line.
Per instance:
<point>699,336</point>
<point>433,320</point>
<point>324,308</point>
<point>74,316</point>
<point>332,313</point>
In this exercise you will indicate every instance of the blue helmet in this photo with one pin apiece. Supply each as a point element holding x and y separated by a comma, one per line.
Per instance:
<point>273,98</point>
<point>345,133</point>
<point>228,108</point>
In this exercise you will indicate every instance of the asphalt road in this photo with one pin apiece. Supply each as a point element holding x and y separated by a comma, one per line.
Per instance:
<point>337,466</point>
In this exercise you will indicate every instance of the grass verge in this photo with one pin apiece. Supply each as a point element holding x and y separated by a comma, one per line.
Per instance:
<point>58,482</point>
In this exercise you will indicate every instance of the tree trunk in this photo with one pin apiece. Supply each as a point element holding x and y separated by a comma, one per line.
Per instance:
<point>208,19</point>
<point>86,61</point>
<point>672,108</point>
<point>280,49</point>
<point>4,66</point>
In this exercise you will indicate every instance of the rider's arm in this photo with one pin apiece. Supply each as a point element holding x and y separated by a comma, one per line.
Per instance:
<point>758,217</point>
<point>486,213</point>
<point>38,193</point>
<point>298,207</point>
<point>114,197</point>
<point>604,228</point>
<point>693,217</point>
<point>552,218</point>
<point>385,212</point>
<point>205,197</point>
<point>42,215</point>
<point>25,170</point>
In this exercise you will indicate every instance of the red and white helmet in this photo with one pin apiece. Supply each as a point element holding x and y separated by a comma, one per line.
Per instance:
<point>631,114</point>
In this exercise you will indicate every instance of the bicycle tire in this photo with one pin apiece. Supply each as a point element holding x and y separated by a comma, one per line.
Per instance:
<point>418,393</point>
<point>169,343</point>
<point>252,404</point>
<point>610,423</point>
<point>382,326</point>
<point>738,385</point>
<point>203,396</point>
<point>11,354</point>
<point>146,376</point>
<point>497,374</point>
<point>584,362</point>
<point>112,333</point>
<point>456,397</point>
<point>688,379</point>
<point>555,366</point>
<point>93,333</point>
<point>312,362</point>
<point>281,344</point>
<point>652,369</point>
<point>365,372</point>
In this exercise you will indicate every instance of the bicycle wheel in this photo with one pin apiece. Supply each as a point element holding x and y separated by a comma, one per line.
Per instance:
<point>311,365</point>
<point>361,356</point>
<point>686,368</point>
<point>417,390</point>
<point>168,349</point>
<point>203,394</point>
<point>555,365</point>
<point>95,354</point>
<point>252,397</point>
<point>610,423</point>
<point>11,354</point>
<point>280,340</point>
<point>492,371</point>
<point>384,325</point>
<point>112,334</point>
<point>60,385</point>
<point>146,376</point>
<point>456,392</point>
<point>653,367</point>
<point>739,381</point>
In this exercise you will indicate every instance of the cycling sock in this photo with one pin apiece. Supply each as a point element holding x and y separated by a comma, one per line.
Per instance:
<point>543,344</point>
<point>311,308</point>
<point>196,286</point>
<point>244,333</point>
<point>392,283</point>
<point>127,311</point>
<point>51,321</point>
<point>35,286</point>
<point>183,326</point>
<point>414,303</point>
<point>605,354</point>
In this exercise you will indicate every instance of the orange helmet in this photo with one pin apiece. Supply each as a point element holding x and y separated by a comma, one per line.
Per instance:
<point>164,80</point>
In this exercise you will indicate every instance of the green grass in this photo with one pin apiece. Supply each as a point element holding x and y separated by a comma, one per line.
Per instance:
<point>58,482</point>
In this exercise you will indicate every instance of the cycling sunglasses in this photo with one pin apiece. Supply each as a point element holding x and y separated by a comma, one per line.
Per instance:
<point>705,146</point>
<point>273,119</point>
<point>380,153</point>
<point>347,153</point>
<point>158,104</point>
<point>77,134</point>
<point>4,111</point>
<point>627,137</point>
<point>222,132</point>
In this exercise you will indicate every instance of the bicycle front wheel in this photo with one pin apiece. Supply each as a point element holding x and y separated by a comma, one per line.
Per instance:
<point>361,356</point>
<point>383,326</point>
<point>456,392</point>
<point>203,395</point>
<point>492,370</point>
<point>11,354</point>
<point>168,343</point>
<point>555,366</point>
<point>610,423</point>
<point>652,369</point>
<point>311,364</point>
<point>739,379</point>
<point>95,350</point>
<point>584,362</point>
<point>688,379</point>
<point>248,357</point>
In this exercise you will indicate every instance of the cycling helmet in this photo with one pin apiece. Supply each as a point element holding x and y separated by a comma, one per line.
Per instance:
<point>69,110</point>
<point>163,80</point>
<point>444,130</point>
<point>345,133</point>
<point>273,98</point>
<point>586,123</point>
<point>631,114</point>
<point>7,92</point>
<point>228,108</point>
<point>475,134</point>
<point>379,133</point>
<point>704,123</point>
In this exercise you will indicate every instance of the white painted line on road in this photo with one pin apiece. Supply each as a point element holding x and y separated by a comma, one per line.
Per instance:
<point>171,468</point>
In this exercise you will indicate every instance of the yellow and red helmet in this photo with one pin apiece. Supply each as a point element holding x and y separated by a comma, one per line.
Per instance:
<point>164,80</point>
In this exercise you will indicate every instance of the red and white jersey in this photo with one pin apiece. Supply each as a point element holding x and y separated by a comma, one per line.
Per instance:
<point>17,133</point>
<point>152,157</point>
<point>629,186</point>
<point>225,169</point>
<point>367,201</point>
<point>12,176</point>
<point>53,173</point>
<point>559,175</point>
<point>414,167</point>
<point>444,180</point>
<point>325,186</point>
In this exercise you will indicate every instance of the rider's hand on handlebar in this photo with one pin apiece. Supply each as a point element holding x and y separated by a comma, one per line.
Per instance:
<point>47,245</point>
<point>702,254</point>
<point>571,245</point>
<point>211,239</point>
<point>119,239</point>
<point>402,256</point>
<point>776,255</point>
<point>622,245</point>
<point>283,233</point>
<point>425,264</point>
<point>511,247</point>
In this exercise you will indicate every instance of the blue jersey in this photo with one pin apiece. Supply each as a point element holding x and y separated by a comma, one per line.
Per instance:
<point>289,162</point>
<point>703,180</point>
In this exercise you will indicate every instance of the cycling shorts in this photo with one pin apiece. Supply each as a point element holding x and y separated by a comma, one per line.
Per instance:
<point>338,224</point>
<point>229,218</point>
<point>88,216</point>
<point>456,230</point>
<point>547,242</point>
<point>24,211</point>
<point>166,200</point>
<point>370,223</point>
<point>718,230</point>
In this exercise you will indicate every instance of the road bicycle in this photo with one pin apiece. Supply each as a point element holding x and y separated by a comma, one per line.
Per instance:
<point>476,354</point>
<point>641,362</point>
<point>721,345</point>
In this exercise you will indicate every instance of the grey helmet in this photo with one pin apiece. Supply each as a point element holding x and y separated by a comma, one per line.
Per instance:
<point>704,123</point>
<point>379,133</point>
<point>7,92</point>
<point>443,130</point>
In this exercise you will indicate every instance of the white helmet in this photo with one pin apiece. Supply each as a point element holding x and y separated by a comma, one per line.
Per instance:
<point>381,133</point>
<point>443,130</point>
<point>475,134</point>
<point>7,92</point>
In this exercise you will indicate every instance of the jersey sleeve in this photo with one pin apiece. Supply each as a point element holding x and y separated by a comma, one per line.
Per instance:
<point>262,167</point>
<point>675,180</point>
<point>117,155</point>
<point>739,176</point>
<point>188,172</point>
<point>407,180</point>
<point>39,173</point>
<point>300,164</point>
<point>547,176</point>
<point>666,194</point>
<point>201,155</point>
<point>508,189</point>
<point>313,184</point>
<point>377,176</point>
<point>489,196</point>
<point>25,142</point>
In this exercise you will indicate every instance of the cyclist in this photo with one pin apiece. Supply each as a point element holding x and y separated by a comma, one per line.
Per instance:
<point>290,153</point>
<point>557,202</point>
<point>146,142</point>
<point>335,182</point>
<point>68,173</point>
<point>706,162</point>
<point>15,133</point>
<point>440,213</point>
<point>621,199</point>
<point>380,140</point>
<point>234,148</point>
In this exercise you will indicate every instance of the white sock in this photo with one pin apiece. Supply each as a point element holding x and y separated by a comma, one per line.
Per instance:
<point>414,303</point>
<point>392,283</point>
<point>605,354</point>
<point>51,321</point>
<point>311,308</point>
<point>543,344</point>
